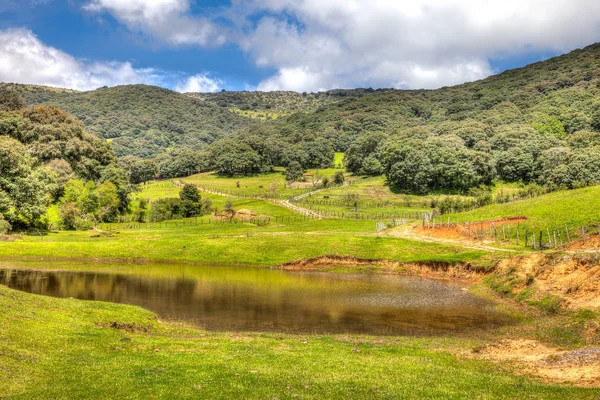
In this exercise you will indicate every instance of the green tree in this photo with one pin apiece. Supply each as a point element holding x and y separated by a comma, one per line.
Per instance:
<point>228,208</point>
<point>5,226</point>
<point>10,101</point>
<point>371,166</point>
<point>25,192</point>
<point>108,202</point>
<point>142,171</point>
<point>294,171</point>
<point>190,193</point>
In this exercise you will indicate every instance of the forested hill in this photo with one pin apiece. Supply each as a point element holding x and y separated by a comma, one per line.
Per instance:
<point>540,123</point>
<point>563,87</point>
<point>142,120</point>
<point>279,103</point>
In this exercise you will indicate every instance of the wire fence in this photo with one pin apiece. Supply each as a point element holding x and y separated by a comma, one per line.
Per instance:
<point>516,231</point>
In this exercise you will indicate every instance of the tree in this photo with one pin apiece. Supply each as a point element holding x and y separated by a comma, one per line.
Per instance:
<point>62,172</point>
<point>339,178</point>
<point>108,202</point>
<point>190,193</point>
<point>10,101</point>
<point>142,171</point>
<point>371,166</point>
<point>191,205</point>
<point>5,227</point>
<point>364,148</point>
<point>228,208</point>
<point>232,157</point>
<point>142,210</point>
<point>294,171</point>
<point>25,192</point>
<point>183,163</point>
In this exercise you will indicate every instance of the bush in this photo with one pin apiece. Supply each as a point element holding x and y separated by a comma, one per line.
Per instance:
<point>339,178</point>
<point>5,226</point>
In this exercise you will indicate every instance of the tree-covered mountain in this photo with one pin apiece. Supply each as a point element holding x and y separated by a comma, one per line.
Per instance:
<point>140,120</point>
<point>540,123</point>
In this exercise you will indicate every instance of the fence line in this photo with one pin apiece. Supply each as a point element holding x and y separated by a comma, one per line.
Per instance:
<point>549,237</point>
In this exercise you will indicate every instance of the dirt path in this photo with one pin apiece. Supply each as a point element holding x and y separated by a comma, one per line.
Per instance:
<point>283,203</point>
<point>405,232</point>
<point>304,211</point>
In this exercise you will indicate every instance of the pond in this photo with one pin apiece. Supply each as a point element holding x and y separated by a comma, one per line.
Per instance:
<point>254,299</point>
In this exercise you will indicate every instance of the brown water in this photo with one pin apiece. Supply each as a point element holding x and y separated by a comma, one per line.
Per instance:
<point>252,299</point>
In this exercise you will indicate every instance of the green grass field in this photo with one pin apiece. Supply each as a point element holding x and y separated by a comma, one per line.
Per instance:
<point>64,348</point>
<point>241,243</point>
<point>269,184</point>
<point>574,208</point>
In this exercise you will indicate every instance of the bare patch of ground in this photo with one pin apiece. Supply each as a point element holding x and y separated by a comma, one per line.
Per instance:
<point>591,242</point>
<point>304,185</point>
<point>580,367</point>
<point>574,279</point>
<point>472,231</point>
<point>10,238</point>
<point>411,234</point>
<point>434,269</point>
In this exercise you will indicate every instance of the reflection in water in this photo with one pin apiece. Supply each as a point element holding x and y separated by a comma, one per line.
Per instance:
<point>242,299</point>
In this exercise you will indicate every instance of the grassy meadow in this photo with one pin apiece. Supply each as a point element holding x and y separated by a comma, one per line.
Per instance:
<point>65,348</point>
<point>574,208</point>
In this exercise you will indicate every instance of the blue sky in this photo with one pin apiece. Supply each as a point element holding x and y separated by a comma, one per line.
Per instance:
<point>302,45</point>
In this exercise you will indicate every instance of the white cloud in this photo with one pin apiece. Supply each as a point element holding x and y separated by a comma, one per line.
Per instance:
<point>199,84</point>
<point>316,44</point>
<point>166,20</point>
<point>324,44</point>
<point>25,59</point>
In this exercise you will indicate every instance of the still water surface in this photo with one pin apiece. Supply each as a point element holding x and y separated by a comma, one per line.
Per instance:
<point>252,299</point>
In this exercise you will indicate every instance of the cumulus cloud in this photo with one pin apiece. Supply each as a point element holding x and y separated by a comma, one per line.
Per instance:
<point>316,44</point>
<point>166,20</point>
<point>323,44</point>
<point>25,59</point>
<point>199,84</point>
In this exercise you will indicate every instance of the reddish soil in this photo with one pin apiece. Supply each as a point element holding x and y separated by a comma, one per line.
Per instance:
<point>580,367</point>
<point>591,242</point>
<point>473,230</point>
<point>574,279</point>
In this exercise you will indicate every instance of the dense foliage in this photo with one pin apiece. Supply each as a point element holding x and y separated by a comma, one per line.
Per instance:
<point>143,120</point>
<point>44,154</point>
<point>278,101</point>
<point>189,204</point>
<point>537,124</point>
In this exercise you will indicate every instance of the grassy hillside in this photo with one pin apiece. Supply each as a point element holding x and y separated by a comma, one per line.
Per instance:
<point>143,120</point>
<point>574,208</point>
